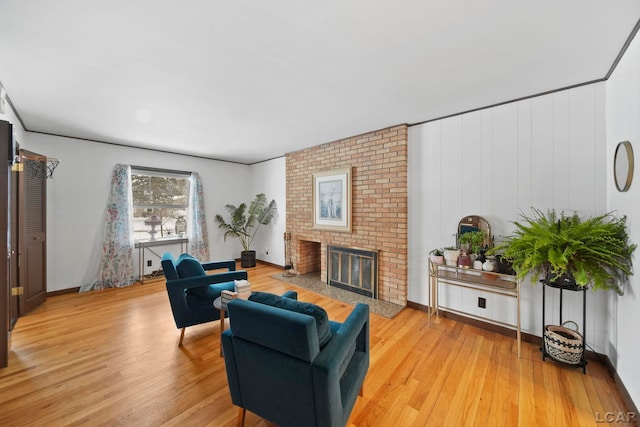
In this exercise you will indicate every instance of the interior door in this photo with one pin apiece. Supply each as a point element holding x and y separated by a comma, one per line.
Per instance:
<point>5,137</point>
<point>33,233</point>
<point>14,232</point>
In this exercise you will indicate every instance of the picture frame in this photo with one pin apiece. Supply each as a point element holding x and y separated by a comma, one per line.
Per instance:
<point>332,200</point>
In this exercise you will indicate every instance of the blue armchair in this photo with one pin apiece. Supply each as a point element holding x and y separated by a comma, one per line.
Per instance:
<point>283,365</point>
<point>192,291</point>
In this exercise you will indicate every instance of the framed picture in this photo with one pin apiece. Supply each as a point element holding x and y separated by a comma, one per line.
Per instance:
<point>332,200</point>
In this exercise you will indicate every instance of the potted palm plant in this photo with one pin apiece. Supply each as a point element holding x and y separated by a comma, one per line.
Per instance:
<point>244,222</point>
<point>566,250</point>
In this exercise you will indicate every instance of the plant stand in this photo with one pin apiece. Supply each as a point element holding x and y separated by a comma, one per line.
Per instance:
<point>575,288</point>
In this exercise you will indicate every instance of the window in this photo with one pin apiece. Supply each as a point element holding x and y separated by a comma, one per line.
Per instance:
<point>160,203</point>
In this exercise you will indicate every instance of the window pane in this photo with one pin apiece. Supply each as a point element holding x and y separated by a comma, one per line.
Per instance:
<point>160,205</point>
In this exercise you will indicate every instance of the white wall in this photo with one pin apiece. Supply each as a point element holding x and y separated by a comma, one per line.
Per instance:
<point>545,152</point>
<point>270,178</point>
<point>77,196</point>
<point>623,123</point>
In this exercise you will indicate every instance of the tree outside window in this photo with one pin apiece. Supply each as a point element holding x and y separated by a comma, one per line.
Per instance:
<point>160,204</point>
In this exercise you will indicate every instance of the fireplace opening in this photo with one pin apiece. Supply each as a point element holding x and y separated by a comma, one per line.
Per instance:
<point>355,270</point>
<point>309,257</point>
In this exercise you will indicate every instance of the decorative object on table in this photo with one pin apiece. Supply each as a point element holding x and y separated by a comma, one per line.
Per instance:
<point>153,221</point>
<point>473,223</point>
<point>564,344</point>
<point>623,166</point>
<point>227,296</point>
<point>464,260</point>
<point>436,256</point>
<point>503,265</point>
<point>244,224</point>
<point>332,200</point>
<point>475,241</point>
<point>489,264</point>
<point>477,264</point>
<point>560,248</point>
<point>243,288</point>
<point>181,226</point>
<point>451,255</point>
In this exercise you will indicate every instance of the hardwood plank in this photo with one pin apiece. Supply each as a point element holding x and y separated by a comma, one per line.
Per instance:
<point>110,358</point>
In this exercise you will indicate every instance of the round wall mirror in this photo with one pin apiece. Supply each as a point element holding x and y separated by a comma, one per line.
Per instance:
<point>475,223</point>
<point>623,166</point>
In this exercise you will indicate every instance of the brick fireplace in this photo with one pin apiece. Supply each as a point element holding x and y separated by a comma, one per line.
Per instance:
<point>378,162</point>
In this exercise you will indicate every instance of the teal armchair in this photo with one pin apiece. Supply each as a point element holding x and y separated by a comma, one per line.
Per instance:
<point>287,367</point>
<point>192,291</point>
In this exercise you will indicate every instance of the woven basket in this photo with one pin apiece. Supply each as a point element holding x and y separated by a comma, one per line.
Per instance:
<point>564,344</point>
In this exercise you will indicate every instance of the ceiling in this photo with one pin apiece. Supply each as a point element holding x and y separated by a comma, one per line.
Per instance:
<point>247,81</point>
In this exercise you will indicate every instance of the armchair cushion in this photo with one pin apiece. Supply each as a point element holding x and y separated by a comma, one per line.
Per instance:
<point>188,266</point>
<point>319,313</point>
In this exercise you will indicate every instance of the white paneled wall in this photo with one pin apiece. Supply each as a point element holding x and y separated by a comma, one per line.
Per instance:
<point>544,152</point>
<point>623,124</point>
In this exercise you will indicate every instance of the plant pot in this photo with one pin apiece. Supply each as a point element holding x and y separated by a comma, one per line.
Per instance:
<point>437,259</point>
<point>248,259</point>
<point>564,281</point>
<point>464,261</point>
<point>452,255</point>
<point>503,266</point>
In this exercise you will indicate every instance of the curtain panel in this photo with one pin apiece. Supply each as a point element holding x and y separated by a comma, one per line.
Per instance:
<point>197,222</point>
<point>116,267</point>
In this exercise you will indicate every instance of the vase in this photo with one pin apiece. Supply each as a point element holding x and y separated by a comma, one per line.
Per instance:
<point>489,264</point>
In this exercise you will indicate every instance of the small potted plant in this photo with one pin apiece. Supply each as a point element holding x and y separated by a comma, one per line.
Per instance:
<point>436,256</point>
<point>451,255</point>
<point>568,251</point>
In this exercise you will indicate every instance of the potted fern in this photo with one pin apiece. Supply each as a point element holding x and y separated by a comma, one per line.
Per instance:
<point>244,223</point>
<point>569,251</point>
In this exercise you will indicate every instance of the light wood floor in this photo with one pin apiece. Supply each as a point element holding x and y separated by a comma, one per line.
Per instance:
<point>111,358</point>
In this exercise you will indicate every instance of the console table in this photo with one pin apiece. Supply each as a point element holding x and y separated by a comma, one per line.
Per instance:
<point>495,283</point>
<point>146,245</point>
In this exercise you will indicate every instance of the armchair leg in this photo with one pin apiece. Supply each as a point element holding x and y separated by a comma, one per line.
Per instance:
<point>361,393</point>
<point>181,337</point>
<point>241,415</point>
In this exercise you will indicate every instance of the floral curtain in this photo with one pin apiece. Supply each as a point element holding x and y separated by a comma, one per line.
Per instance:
<point>116,266</point>
<point>197,222</point>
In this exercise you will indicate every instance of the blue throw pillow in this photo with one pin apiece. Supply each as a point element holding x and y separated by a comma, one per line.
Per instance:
<point>188,266</point>
<point>322,320</point>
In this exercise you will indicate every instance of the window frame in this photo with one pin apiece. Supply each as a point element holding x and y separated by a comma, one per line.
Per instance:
<point>163,173</point>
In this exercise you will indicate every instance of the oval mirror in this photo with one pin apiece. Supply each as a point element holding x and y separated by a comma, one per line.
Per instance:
<point>623,166</point>
<point>475,223</point>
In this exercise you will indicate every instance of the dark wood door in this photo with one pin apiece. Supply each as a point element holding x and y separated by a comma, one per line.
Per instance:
<point>5,141</point>
<point>33,234</point>
<point>14,232</point>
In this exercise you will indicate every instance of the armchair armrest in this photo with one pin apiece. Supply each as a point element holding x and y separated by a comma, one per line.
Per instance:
<point>354,329</point>
<point>215,265</point>
<point>338,372</point>
<point>209,279</point>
